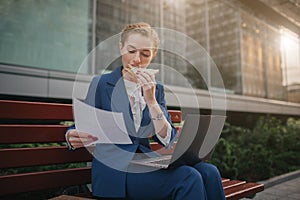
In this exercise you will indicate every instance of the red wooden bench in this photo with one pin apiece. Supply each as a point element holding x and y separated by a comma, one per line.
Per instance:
<point>23,122</point>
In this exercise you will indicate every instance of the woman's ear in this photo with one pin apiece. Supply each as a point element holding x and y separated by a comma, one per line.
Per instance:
<point>121,48</point>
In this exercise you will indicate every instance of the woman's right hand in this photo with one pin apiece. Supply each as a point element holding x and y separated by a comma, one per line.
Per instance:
<point>128,74</point>
<point>80,139</point>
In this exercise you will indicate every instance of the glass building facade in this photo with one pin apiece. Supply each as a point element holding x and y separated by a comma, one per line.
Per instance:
<point>245,49</point>
<point>57,35</point>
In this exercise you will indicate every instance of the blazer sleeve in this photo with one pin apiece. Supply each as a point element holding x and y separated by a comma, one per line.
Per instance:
<point>89,99</point>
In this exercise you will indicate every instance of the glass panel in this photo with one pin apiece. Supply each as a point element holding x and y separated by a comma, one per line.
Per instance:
<point>290,49</point>
<point>51,35</point>
<point>261,66</point>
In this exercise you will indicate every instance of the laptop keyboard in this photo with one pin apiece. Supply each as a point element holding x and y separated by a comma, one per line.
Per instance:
<point>162,162</point>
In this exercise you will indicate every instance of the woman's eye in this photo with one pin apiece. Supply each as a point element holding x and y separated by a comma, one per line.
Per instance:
<point>131,51</point>
<point>145,55</point>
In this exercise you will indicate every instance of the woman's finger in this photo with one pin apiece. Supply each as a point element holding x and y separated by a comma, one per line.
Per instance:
<point>129,67</point>
<point>128,70</point>
<point>79,139</point>
<point>129,74</point>
<point>145,80</point>
<point>80,142</point>
<point>149,76</point>
<point>82,139</point>
<point>75,133</point>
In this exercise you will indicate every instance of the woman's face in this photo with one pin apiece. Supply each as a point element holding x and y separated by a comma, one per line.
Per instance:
<point>138,50</point>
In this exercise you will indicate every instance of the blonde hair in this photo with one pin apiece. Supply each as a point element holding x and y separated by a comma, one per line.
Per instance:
<point>141,28</point>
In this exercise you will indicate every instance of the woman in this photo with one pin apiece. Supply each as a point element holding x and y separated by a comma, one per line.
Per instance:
<point>132,90</point>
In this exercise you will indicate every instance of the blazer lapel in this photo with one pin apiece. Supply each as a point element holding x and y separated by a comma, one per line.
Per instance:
<point>116,91</point>
<point>146,123</point>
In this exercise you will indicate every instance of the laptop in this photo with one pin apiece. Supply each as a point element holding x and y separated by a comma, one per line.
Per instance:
<point>199,135</point>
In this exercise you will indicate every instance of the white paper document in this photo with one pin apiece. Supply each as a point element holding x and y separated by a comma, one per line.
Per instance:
<point>108,127</point>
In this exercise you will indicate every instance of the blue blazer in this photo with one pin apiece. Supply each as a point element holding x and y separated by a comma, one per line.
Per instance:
<point>111,161</point>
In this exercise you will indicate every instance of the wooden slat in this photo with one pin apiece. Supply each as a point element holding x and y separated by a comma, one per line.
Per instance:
<point>243,190</point>
<point>175,116</point>
<point>224,180</point>
<point>43,180</point>
<point>178,128</point>
<point>232,183</point>
<point>229,196</point>
<point>35,110</point>
<point>160,149</point>
<point>10,134</point>
<point>23,157</point>
<point>82,196</point>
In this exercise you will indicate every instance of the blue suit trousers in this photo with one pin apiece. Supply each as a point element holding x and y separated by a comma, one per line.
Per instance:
<point>201,181</point>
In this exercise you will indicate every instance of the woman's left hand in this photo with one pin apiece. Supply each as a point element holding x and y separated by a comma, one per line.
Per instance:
<point>147,81</point>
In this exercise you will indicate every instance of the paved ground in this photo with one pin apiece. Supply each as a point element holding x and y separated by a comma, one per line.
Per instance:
<point>285,187</point>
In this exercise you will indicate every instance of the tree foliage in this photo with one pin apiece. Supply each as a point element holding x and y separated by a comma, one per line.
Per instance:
<point>271,148</point>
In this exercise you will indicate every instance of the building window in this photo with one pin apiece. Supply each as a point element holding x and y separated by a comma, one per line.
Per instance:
<point>52,35</point>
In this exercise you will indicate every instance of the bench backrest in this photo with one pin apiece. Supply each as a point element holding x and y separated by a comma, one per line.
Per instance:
<point>40,123</point>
